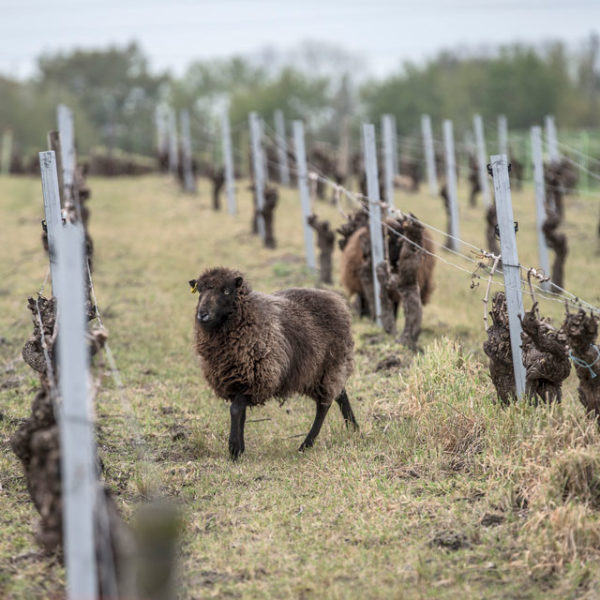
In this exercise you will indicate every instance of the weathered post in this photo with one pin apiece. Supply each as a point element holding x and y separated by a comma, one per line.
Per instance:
<point>540,198</point>
<point>173,143</point>
<point>481,160</point>
<point>228,160</point>
<point>502,135</point>
<point>282,157</point>
<point>67,266</point>
<point>375,223</point>
<point>6,154</point>
<point>66,133</point>
<point>51,194</point>
<point>388,159</point>
<point>258,170</point>
<point>189,182</point>
<point>53,139</point>
<point>510,265</point>
<point>429,154</point>
<point>76,424</point>
<point>551,139</point>
<point>300,152</point>
<point>453,243</point>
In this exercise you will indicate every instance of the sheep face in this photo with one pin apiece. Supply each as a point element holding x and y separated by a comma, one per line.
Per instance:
<point>217,299</point>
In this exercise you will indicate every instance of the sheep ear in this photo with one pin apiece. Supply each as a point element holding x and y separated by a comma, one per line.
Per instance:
<point>239,281</point>
<point>194,285</point>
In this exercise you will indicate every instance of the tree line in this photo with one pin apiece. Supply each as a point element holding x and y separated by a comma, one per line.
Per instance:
<point>114,92</point>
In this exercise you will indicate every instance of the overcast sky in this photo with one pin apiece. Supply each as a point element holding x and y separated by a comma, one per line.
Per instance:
<point>385,33</point>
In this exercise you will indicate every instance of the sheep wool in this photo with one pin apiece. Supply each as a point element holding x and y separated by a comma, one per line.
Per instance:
<point>254,346</point>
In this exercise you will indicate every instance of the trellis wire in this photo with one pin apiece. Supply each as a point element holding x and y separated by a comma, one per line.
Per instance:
<point>566,297</point>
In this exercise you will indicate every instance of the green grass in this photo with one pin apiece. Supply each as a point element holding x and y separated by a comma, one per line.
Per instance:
<point>442,494</point>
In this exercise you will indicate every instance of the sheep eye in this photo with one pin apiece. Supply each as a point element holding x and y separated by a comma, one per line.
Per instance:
<point>227,291</point>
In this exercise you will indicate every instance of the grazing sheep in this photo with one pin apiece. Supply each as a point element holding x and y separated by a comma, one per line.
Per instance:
<point>354,259</point>
<point>351,263</point>
<point>255,346</point>
<point>355,221</point>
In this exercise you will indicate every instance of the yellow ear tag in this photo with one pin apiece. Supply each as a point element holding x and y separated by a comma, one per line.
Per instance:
<point>195,288</point>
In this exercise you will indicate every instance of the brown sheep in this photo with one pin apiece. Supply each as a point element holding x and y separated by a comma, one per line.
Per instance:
<point>353,260</point>
<point>255,346</point>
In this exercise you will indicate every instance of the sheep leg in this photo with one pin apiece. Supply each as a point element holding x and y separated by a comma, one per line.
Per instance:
<point>346,409</point>
<point>238,420</point>
<point>316,427</point>
<point>363,306</point>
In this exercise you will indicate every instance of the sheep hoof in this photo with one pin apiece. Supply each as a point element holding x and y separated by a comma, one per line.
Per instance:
<point>236,449</point>
<point>306,444</point>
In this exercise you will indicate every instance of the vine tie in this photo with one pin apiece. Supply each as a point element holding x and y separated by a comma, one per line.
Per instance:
<point>582,363</point>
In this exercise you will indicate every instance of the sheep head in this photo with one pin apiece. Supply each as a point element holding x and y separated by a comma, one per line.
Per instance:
<point>219,290</point>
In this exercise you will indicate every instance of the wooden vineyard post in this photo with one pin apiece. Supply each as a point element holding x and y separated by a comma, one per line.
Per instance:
<point>388,159</point>
<point>375,224</point>
<point>481,160</point>
<point>300,152</point>
<point>451,185</point>
<point>551,140</point>
<point>173,143</point>
<point>189,183</point>
<point>502,135</point>
<point>258,170</point>
<point>228,160</point>
<point>510,265</point>
<point>66,133</point>
<point>282,157</point>
<point>429,154</point>
<point>540,199</point>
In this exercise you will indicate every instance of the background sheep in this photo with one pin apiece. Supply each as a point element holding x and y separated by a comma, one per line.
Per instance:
<point>353,260</point>
<point>255,346</point>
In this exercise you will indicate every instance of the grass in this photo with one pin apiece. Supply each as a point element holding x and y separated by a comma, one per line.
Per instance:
<point>442,494</point>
